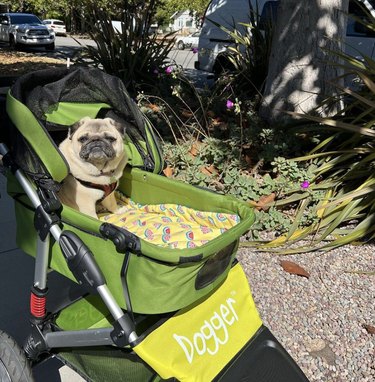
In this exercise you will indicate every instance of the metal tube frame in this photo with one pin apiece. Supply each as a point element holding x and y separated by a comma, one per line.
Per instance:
<point>57,339</point>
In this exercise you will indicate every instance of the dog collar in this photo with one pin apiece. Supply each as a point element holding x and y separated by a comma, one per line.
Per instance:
<point>107,188</point>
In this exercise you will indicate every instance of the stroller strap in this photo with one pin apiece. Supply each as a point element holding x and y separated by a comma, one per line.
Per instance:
<point>107,188</point>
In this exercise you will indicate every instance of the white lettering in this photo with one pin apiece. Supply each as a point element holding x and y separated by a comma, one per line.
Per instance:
<point>221,325</point>
<point>230,302</point>
<point>212,334</point>
<point>188,352</point>
<point>199,338</point>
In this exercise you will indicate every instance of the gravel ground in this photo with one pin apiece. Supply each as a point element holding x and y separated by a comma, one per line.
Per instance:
<point>325,321</point>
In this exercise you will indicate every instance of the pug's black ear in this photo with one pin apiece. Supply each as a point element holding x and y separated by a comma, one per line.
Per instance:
<point>121,128</point>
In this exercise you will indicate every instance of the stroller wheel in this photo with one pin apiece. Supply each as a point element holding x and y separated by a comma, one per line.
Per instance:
<point>14,365</point>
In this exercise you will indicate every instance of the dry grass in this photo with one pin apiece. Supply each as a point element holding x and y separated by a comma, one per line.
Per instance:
<point>14,63</point>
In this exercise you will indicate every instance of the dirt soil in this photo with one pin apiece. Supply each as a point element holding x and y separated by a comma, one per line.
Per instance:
<point>15,63</point>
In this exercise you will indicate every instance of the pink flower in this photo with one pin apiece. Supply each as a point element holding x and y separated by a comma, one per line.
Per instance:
<point>169,70</point>
<point>229,104</point>
<point>305,185</point>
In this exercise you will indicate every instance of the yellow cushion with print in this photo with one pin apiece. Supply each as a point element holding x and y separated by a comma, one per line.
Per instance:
<point>169,225</point>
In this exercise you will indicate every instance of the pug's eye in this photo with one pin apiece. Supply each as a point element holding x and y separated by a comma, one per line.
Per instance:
<point>83,139</point>
<point>110,139</point>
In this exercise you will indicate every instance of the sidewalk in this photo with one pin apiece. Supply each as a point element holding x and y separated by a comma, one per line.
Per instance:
<point>16,277</point>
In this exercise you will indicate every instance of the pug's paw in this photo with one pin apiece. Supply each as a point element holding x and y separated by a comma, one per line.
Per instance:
<point>122,210</point>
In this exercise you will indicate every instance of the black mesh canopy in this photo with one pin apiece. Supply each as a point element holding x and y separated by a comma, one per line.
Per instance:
<point>40,90</point>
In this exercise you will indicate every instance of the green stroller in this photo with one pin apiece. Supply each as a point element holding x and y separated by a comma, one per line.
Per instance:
<point>148,305</point>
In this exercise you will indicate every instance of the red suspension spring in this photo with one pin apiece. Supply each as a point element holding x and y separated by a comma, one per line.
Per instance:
<point>38,301</point>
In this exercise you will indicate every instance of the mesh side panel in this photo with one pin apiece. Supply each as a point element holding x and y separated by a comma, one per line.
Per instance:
<point>107,364</point>
<point>26,159</point>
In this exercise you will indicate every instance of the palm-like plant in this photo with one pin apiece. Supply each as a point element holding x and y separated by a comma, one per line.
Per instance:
<point>128,51</point>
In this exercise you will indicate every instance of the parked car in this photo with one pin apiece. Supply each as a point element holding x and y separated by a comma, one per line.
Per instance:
<point>214,41</point>
<point>190,41</point>
<point>25,29</point>
<point>57,26</point>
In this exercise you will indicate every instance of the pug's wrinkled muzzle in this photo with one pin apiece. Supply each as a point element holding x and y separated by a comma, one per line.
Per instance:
<point>96,150</point>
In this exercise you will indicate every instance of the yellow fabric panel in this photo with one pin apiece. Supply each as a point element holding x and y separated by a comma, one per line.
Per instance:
<point>199,342</point>
<point>169,225</point>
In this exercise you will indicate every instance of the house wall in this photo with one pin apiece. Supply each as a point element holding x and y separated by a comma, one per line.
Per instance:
<point>184,22</point>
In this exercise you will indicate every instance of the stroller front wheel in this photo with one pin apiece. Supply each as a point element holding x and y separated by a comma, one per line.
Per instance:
<point>14,365</point>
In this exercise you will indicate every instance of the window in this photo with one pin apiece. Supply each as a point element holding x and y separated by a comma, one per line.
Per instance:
<point>24,19</point>
<point>357,20</point>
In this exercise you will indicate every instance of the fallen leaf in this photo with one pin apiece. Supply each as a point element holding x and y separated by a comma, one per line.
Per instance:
<point>186,113</point>
<point>168,172</point>
<point>216,121</point>
<point>154,107</point>
<point>265,201</point>
<point>209,170</point>
<point>195,148</point>
<point>294,268</point>
<point>219,123</point>
<point>370,329</point>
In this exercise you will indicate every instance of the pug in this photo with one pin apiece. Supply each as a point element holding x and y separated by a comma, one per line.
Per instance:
<point>94,150</point>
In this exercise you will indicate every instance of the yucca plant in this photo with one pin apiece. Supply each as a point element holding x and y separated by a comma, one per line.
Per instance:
<point>128,50</point>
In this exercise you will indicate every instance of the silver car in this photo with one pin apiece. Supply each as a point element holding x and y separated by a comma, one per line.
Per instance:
<point>25,29</point>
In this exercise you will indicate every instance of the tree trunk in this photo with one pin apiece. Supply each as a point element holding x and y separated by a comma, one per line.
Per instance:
<point>298,70</point>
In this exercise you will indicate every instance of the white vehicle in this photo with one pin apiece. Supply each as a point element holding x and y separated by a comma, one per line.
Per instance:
<point>213,41</point>
<point>190,41</point>
<point>57,26</point>
<point>25,29</point>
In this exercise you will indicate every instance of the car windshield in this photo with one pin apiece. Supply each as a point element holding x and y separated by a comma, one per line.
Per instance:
<point>24,19</point>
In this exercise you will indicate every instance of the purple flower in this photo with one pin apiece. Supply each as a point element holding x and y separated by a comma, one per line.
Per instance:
<point>229,104</point>
<point>156,71</point>
<point>194,50</point>
<point>169,70</point>
<point>305,185</point>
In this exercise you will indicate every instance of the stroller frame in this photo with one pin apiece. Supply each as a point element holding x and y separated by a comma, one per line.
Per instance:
<point>46,336</point>
<point>89,274</point>
<point>184,311</point>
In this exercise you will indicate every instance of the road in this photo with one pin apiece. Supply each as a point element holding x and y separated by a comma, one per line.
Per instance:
<point>67,46</point>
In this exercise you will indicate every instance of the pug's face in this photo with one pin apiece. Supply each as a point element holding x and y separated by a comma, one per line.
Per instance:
<point>97,141</point>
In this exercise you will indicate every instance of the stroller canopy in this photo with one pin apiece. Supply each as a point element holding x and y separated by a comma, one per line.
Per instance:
<point>52,100</point>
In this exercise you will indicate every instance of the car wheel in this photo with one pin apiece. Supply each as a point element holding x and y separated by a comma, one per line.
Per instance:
<point>50,47</point>
<point>180,45</point>
<point>14,365</point>
<point>222,65</point>
<point>12,43</point>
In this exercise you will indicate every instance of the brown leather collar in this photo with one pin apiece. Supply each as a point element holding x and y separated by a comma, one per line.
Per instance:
<point>107,188</point>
